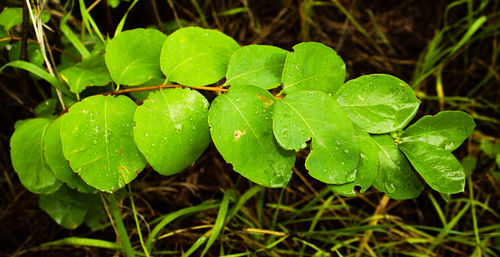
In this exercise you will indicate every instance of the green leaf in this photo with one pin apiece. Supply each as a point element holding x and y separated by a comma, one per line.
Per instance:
<point>46,108</point>
<point>132,57</point>
<point>90,72</point>
<point>195,56</point>
<point>3,34</point>
<point>367,169</point>
<point>97,139</point>
<point>303,115</point>
<point>256,65</point>
<point>313,66</point>
<point>66,207</point>
<point>171,129</point>
<point>57,162</point>
<point>395,177</point>
<point>37,70</point>
<point>378,103</point>
<point>469,163</point>
<point>439,168</point>
<point>241,127</point>
<point>26,150</point>
<point>34,54</point>
<point>11,16</point>
<point>446,130</point>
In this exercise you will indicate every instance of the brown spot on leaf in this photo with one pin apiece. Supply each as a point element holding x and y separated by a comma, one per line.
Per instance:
<point>267,101</point>
<point>238,134</point>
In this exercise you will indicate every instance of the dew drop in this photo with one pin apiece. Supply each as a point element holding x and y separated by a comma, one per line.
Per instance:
<point>338,142</point>
<point>94,142</point>
<point>342,163</point>
<point>346,151</point>
<point>146,135</point>
<point>390,187</point>
<point>164,138</point>
<point>303,145</point>
<point>178,126</point>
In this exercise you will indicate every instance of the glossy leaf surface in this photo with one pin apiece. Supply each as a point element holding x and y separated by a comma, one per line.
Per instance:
<point>241,128</point>
<point>90,72</point>
<point>132,57</point>
<point>303,115</point>
<point>26,151</point>
<point>97,139</point>
<point>313,66</point>
<point>195,56</point>
<point>172,129</point>
<point>367,169</point>
<point>378,103</point>
<point>256,65</point>
<point>439,168</point>
<point>446,130</point>
<point>395,177</point>
<point>58,163</point>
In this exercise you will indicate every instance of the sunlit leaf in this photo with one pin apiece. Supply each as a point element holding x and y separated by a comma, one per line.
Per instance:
<point>438,167</point>
<point>256,65</point>
<point>446,130</point>
<point>303,115</point>
<point>313,66</point>
<point>241,127</point>
<point>57,162</point>
<point>395,177</point>
<point>378,103</point>
<point>132,57</point>
<point>28,160</point>
<point>195,56</point>
<point>90,72</point>
<point>171,129</point>
<point>367,169</point>
<point>97,139</point>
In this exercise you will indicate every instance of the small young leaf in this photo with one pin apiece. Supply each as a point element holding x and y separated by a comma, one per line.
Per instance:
<point>439,168</point>
<point>97,139</point>
<point>67,207</point>
<point>195,56</point>
<point>395,177</point>
<point>367,169</point>
<point>28,161</point>
<point>303,115</point>
<point>46,108</point>
<point>11,16</point>
<point>241,128</point>
<point>57,162</point>
<point>313,66</point>
<point>256,65</point>
<point>171,129</point>
<point>132,57</point>
<point>90,72</point>
<point>378,103</point>
<point>446,130</point>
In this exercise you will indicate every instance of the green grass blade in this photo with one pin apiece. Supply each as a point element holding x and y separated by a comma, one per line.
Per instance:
<point>119,28</point>
<point>220,221</point>
<point>73,38</point>
<point>81,241</point>
<point>196,245</point>
<point>165,220</point>
<point>40,72</point>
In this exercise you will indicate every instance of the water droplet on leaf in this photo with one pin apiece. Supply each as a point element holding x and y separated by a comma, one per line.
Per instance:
<point>390,187</point>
